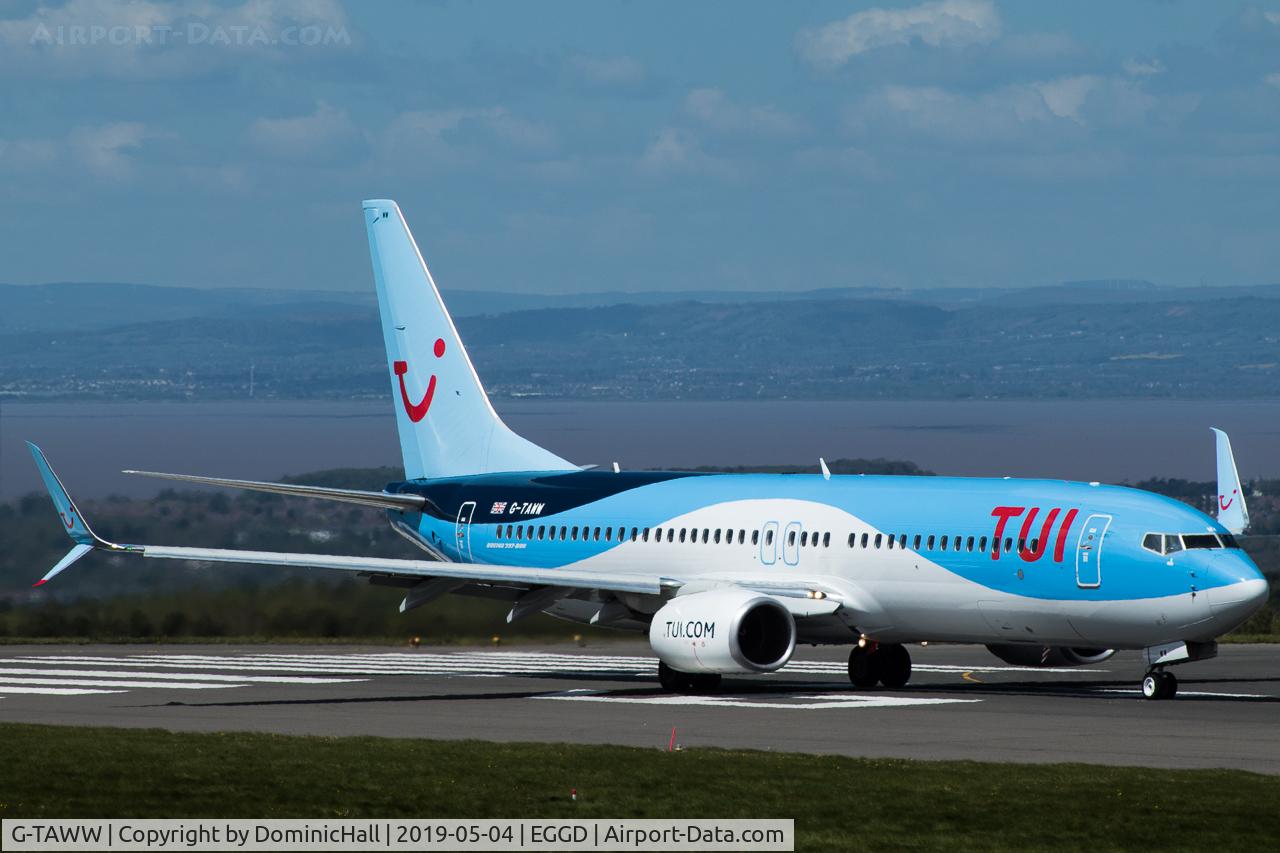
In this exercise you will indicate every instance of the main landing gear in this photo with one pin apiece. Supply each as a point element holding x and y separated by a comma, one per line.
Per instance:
<point>1159,684</point>
<point>675,681</point>
<point>879,663</point>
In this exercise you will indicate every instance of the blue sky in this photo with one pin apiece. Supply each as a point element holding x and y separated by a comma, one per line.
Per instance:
<point>579,146</point>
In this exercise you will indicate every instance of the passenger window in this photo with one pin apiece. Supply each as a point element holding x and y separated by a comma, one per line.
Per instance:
<point>877,540</point>
<point>608,534</point>
<point>791,538</point>
<point>706,535</point>
<point>864,540</point>
<point>755,537</point>
<point>889,543</point>
<point>944,543</point>
<point>929,545</point>
<point>1022,546</point>
<point>968,544</point>
<point>1172,543</point>
<point>804,538</point>
<point>916,542</point>
<point>852,538</point>
<point>717,536</point>
<point>768,537</point>
<point>826,539</point>
<point>542,532</point>
<point>982,545</point>
<point>1035,544</point>
<point>682,531</point>
<point>499,531</point>
<point>644,534</point>
<point>671,535</point>
<point>1008,543</point>
<point>742,537</point>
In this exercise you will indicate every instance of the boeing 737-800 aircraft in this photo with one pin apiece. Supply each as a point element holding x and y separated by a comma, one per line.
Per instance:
<point>727,573</point>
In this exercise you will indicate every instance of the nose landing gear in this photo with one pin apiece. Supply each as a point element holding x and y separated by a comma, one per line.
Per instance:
<point>1159,684</point>
<point>879,663</point>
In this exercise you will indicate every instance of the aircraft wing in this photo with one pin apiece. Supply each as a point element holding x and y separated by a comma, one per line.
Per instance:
<point>427,578</point>
<point>385,500</point>
<point>565,578</point>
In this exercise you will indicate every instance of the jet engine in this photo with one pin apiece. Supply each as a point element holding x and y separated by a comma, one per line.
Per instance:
<point>1019,654</point>
<point>727,630</point>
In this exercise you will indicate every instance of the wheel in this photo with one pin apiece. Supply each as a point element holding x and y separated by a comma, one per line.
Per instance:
<point>863,669</point>
<point>706,683</point>
<point>673,680</point>
<point>1160,685</point>
<point>894,663</point>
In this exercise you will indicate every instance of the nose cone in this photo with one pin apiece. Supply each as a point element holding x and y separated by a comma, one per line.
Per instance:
<point>1242,592</point>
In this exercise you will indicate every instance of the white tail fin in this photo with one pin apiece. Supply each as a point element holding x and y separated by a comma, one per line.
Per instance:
<point>1232,513</point>
<point>447,426</point>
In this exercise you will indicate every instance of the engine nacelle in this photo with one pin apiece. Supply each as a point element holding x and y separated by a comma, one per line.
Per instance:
<point>723,630</point>
<point>1029,655</point>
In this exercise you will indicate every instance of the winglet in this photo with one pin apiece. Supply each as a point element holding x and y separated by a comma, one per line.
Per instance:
<point>1232,512</point>
<point>73,522</point>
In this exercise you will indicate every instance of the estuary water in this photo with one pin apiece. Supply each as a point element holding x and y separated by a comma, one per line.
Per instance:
<point>1107,440</point>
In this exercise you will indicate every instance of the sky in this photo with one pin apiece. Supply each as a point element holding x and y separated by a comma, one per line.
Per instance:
<point>594,146</point>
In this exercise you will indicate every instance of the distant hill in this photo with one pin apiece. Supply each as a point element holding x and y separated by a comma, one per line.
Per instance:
<point>1084,339</point>
<point>99,305</point>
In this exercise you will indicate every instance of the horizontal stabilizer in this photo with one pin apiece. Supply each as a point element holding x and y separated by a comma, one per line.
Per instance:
<point>384,500</point>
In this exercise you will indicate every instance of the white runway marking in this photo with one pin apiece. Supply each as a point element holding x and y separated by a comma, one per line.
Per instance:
<point>1137,691</point>
<point>98,682</point>
<point>70,674</point>
<point>177,676</point>
<point>814,702</point>
<point>50,691</point>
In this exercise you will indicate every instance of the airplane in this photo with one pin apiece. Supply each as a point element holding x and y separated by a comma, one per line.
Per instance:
<point>727,573</point>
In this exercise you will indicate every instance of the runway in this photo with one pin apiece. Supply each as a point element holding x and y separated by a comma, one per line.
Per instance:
<point>962,703</point>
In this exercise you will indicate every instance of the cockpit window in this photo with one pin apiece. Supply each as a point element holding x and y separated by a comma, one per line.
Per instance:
<point>1152,542</point>
<point>1229,541</point>
<point>1200,540</point>
<point>1172,543</point>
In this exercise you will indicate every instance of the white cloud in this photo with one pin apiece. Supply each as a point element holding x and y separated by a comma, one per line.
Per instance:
<point>943,22</point>
<point>713,109</point>
<point>1066,95</point>
<point>105,149</point>
<point>607,71</point>
<point>1272,79</point>
<point>324,135</point>
<point>432,139</point>
<point>1140,68</point>
<point>676,151</point>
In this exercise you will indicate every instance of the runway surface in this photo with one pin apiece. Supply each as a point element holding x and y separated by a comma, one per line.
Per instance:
<point>962,703</point>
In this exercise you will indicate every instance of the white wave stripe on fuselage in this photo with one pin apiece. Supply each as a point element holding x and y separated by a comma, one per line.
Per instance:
<point>900,595</point>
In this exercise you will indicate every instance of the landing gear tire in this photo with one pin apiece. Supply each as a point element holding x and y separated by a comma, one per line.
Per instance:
<point>1160,685</point>
<point>675,681</point>
<point>864,671</point>
<point>706,683</point>
<point>894,663</point>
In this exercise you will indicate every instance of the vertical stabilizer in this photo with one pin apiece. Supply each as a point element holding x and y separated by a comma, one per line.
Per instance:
<point>447,426</point>
<point>1232,513</point>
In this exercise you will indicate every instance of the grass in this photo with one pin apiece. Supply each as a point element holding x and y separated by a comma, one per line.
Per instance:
<point>838,803</point>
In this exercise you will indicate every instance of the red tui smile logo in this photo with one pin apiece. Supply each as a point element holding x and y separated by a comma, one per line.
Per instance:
<point>417,411</point>
<point>1224,501</point>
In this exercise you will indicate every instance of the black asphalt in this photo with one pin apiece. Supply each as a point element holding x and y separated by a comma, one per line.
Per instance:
<point>962,703</point>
